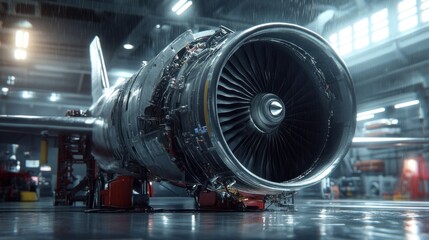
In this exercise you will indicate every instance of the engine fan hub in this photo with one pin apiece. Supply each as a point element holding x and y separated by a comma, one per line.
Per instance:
<point>276,108</point>
<point>267,112</point>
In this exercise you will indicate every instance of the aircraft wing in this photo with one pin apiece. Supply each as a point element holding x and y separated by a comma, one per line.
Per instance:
<point>53,124</point>
<point>37,124</point>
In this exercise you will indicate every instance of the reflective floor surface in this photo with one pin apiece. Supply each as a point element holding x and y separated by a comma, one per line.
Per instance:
<point>318,219</point>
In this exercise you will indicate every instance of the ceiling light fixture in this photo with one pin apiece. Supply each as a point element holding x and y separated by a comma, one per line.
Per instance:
<point>158,26</point>
<point>21,43</point>
<point>20,54</point>
<point>364,117</point>
<point>45,168</point>
<point>184,7</point>
<point>54,97</point>
<point>407,104</point>
<point>128,46</point>
<point>178,5</point>
<point>24,24</point>
<point>374,111</point>
<point>412,166</point>
<point>27,94</point>
<point>22,39</point>
<point>5,90</point>
<point>10,80</point>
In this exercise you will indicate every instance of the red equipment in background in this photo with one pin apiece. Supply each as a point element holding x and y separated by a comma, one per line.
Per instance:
<point>414,182</point>
<point>12,183</point>
<point>74,149</point>
<point>373,165</point>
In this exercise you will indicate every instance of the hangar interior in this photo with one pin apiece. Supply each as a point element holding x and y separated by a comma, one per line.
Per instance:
<point>45,70</point>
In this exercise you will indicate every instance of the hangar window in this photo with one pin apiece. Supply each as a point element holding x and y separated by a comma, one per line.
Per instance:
<point>345,40</point>
<point>379,25</point>
<point>361,33</point>
<point>424,10</point>
<point>407,15</point>
<point>333,39</point>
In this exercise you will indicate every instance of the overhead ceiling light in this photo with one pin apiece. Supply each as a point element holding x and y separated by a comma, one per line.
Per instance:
<point>374,111</point>
<point>407,104</point>
<point>21,43</point>
<point>178,5</point>
<point>184,7</point>
<point>45,168</point>
<point>128,46</point>
<point>158,26</point>
<point>10,80</point>
<point>364,117</point>
<point>24,24</point>
<point>27,94</point>
<point>5,90</point>
<point>54,97</point>
<point>21,39</point>
<point>20,54</point>
<point>412,166</point>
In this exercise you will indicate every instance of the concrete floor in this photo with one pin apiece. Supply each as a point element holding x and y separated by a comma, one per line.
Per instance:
<point>318,219</point>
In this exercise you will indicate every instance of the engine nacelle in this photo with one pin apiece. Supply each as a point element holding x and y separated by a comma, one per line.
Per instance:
<point>267,110</point>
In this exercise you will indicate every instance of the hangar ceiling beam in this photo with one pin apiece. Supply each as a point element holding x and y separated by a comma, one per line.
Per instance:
<point>143,11</point>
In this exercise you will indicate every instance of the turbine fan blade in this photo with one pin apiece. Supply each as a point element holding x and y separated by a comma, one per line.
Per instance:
<point>265,67</point>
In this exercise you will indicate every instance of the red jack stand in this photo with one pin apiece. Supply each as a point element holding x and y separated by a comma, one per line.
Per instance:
<point>122,192</point>
<point>74,149</point>
<point>119,193</point>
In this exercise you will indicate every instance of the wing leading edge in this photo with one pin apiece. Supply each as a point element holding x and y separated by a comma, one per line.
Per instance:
<point>54,125</point>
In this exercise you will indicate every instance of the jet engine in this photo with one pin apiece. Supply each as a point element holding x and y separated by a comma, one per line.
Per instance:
<point>266,110</point>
